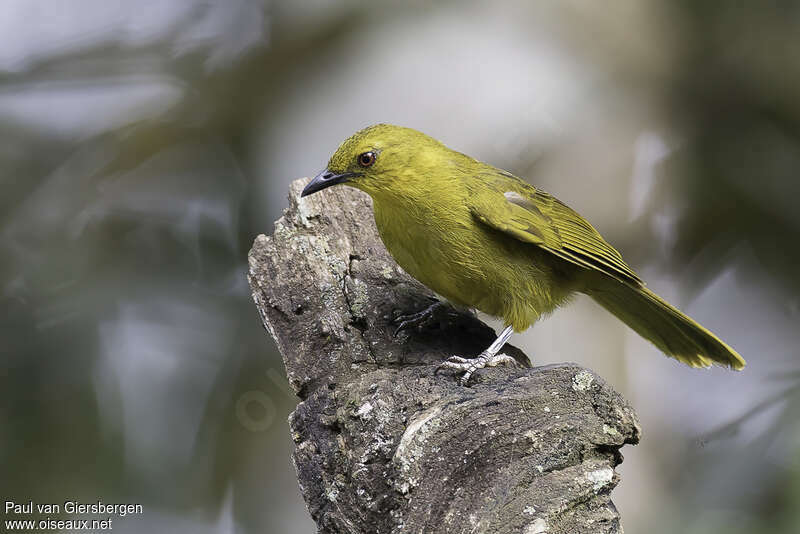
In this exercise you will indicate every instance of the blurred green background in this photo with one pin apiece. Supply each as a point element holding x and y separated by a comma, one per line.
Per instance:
<point>146,143</point>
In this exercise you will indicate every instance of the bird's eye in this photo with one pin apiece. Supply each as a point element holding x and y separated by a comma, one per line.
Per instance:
<point>367,159</point>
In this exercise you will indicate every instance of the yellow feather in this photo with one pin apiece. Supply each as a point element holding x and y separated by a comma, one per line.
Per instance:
<point>485,239</point>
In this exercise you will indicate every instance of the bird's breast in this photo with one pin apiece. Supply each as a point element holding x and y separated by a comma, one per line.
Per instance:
<point>434,246</point>
<point>471,265</point>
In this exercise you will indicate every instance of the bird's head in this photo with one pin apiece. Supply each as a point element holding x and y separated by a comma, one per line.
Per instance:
<point>383,160</point>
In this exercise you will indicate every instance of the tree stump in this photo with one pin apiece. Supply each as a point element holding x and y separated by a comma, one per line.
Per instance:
<point>382,445</point>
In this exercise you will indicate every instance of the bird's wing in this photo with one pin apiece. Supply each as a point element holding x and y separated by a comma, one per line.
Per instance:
<point>516,208</point>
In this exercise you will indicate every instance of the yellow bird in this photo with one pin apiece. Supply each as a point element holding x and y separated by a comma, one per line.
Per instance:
<point>484,239</point>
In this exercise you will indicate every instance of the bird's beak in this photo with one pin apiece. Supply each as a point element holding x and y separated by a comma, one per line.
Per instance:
<point>326,179</point>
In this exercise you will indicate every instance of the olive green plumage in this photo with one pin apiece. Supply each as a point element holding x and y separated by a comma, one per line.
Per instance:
<point>484,239</point>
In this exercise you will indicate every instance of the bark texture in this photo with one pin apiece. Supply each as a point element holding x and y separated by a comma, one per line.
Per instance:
<point>384,446</point>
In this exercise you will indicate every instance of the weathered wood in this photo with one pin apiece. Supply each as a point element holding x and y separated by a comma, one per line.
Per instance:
<point>383,445</point>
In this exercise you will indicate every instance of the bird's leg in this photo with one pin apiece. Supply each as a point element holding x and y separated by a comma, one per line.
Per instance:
<point>487,358</point>
<point>430,315</point>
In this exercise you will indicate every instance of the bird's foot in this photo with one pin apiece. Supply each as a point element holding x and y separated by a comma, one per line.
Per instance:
<point>468,366</point>
<point>435,313</point>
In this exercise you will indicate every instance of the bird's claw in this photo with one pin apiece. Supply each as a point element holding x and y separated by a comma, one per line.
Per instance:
<point>420,320</point>
<point>468,366</point>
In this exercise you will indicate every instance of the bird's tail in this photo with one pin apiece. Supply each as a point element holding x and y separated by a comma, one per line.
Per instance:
<point>653,318</point>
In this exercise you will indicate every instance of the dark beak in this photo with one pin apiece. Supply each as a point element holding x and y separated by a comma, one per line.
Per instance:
<point>326,179</point>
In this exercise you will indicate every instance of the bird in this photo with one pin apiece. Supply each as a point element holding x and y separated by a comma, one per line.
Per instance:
<point>484,239</point>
